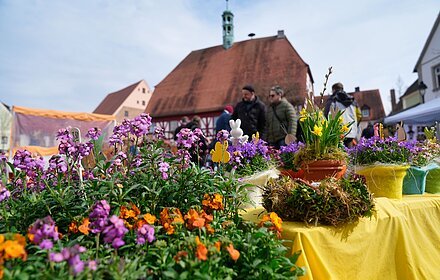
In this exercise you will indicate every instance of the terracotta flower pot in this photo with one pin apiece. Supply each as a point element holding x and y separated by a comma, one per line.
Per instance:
<point>321,169</point>
<point>292,174</point>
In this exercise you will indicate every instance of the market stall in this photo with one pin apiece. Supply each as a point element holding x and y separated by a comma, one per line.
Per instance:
<point>400,242</point>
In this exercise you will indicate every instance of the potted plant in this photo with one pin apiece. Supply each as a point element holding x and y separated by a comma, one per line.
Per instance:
<point>287,160</point>
<point>323,154</point>
<point>384,163</point>
<point>424,153</point>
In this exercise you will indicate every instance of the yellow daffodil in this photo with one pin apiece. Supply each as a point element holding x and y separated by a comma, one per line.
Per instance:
<point>317,130</point>
<point>344,128</point>
<point>303,113</point>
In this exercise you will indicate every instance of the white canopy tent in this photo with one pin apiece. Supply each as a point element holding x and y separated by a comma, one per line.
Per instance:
<point>427,114</point>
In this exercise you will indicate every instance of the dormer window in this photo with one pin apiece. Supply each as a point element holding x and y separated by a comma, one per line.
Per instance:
<point>365,111</point>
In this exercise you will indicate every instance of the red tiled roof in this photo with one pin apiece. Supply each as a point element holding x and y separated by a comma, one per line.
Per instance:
<point>112,101</point>
<point>208,79</point>
<point>370,98</point>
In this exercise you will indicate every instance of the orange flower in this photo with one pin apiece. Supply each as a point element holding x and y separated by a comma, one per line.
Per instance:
<point>235,254</point>
<point>194,220</point>
<point>84,227</point>
<point>31,237</point>
<point>20,239</point>
<point>209,229</point>
<point>202,251</point>
<point>146,219</point>
<point>272,222</point>
<point>150,218</point>
<point>217,245</point>
<point>213,202</point>
<point>129,215</point>
<point>73,227</point>
<point>180,255</point>
<point>168,220</point>
<point>13,250</point>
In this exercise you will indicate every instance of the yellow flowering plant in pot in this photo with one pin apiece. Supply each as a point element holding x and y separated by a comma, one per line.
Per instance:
<point>323,154</point>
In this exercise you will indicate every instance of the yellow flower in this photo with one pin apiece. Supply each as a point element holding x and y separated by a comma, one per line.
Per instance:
<point>317,130</point>
<point>256,137</point>
<point>303,113</point>
<point>302,119</point>
<point>344,128</point>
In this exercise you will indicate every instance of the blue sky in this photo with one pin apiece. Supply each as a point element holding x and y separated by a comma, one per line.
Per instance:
<point>68,55</point>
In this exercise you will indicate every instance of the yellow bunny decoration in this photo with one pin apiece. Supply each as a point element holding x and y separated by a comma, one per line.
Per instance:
<point>220,153</point>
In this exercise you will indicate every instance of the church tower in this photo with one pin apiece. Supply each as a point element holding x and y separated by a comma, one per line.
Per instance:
<point>228,28</point>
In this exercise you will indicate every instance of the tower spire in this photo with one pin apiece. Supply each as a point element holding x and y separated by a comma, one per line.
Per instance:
<point>228,27</point>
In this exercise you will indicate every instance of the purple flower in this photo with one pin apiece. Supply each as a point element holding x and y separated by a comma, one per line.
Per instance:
<point>94,133</point>
<point>159,132</point>
<point>44,231</point>
<point>4,193</point>
<point>222,136</point>
<point>145,233</point>
<point>72,256</point>
<point>98,216</point>
<point>163,167</point>
<point>115,231</point>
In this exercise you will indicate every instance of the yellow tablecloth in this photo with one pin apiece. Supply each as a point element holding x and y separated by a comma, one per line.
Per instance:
<point>401,242</point>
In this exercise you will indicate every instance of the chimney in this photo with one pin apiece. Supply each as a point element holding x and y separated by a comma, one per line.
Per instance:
<point>357,89</point>
<point>280,34</point>
<point>393,100</point>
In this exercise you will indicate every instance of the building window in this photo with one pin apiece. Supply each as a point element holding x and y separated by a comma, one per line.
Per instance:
<point>436,72</point>
<point>143,102</point>
<point>138,102</point>
<point>125,113</point>
<point>4,140</point>
<point>143,90</point>
<point>365,111</point>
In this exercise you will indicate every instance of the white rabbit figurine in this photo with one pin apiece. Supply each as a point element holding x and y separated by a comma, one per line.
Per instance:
<point>237,132</point>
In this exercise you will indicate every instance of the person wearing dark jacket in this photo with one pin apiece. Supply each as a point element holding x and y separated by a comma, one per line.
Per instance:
<point>368,132</point>
<point>280,118</point>
<point>222,122</point>
<point>198,154</point>
<point>183,123</point>
<point>251,111</point>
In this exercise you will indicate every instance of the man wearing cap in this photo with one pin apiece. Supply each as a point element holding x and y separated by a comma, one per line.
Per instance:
<point>222,122</point>
<point>251,111</point>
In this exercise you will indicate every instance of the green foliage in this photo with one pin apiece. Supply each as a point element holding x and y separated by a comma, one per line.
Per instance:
<point>67,200</point>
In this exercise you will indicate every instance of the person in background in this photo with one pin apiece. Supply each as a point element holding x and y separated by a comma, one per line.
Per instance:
<point>280,118</point>
<point>368,132</point>
<point>222,122</point>
<point>251,111</point>
<point>183,123</point>
<point>341,101</point>
<point>198,154</point>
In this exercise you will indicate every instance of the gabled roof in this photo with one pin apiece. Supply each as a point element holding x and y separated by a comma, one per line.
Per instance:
<point>412,88</point>
<point>428,41</point>
<point>6,106</point>
<point>112,101</point>
<point>209,79</point>
<point>370,98</point>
